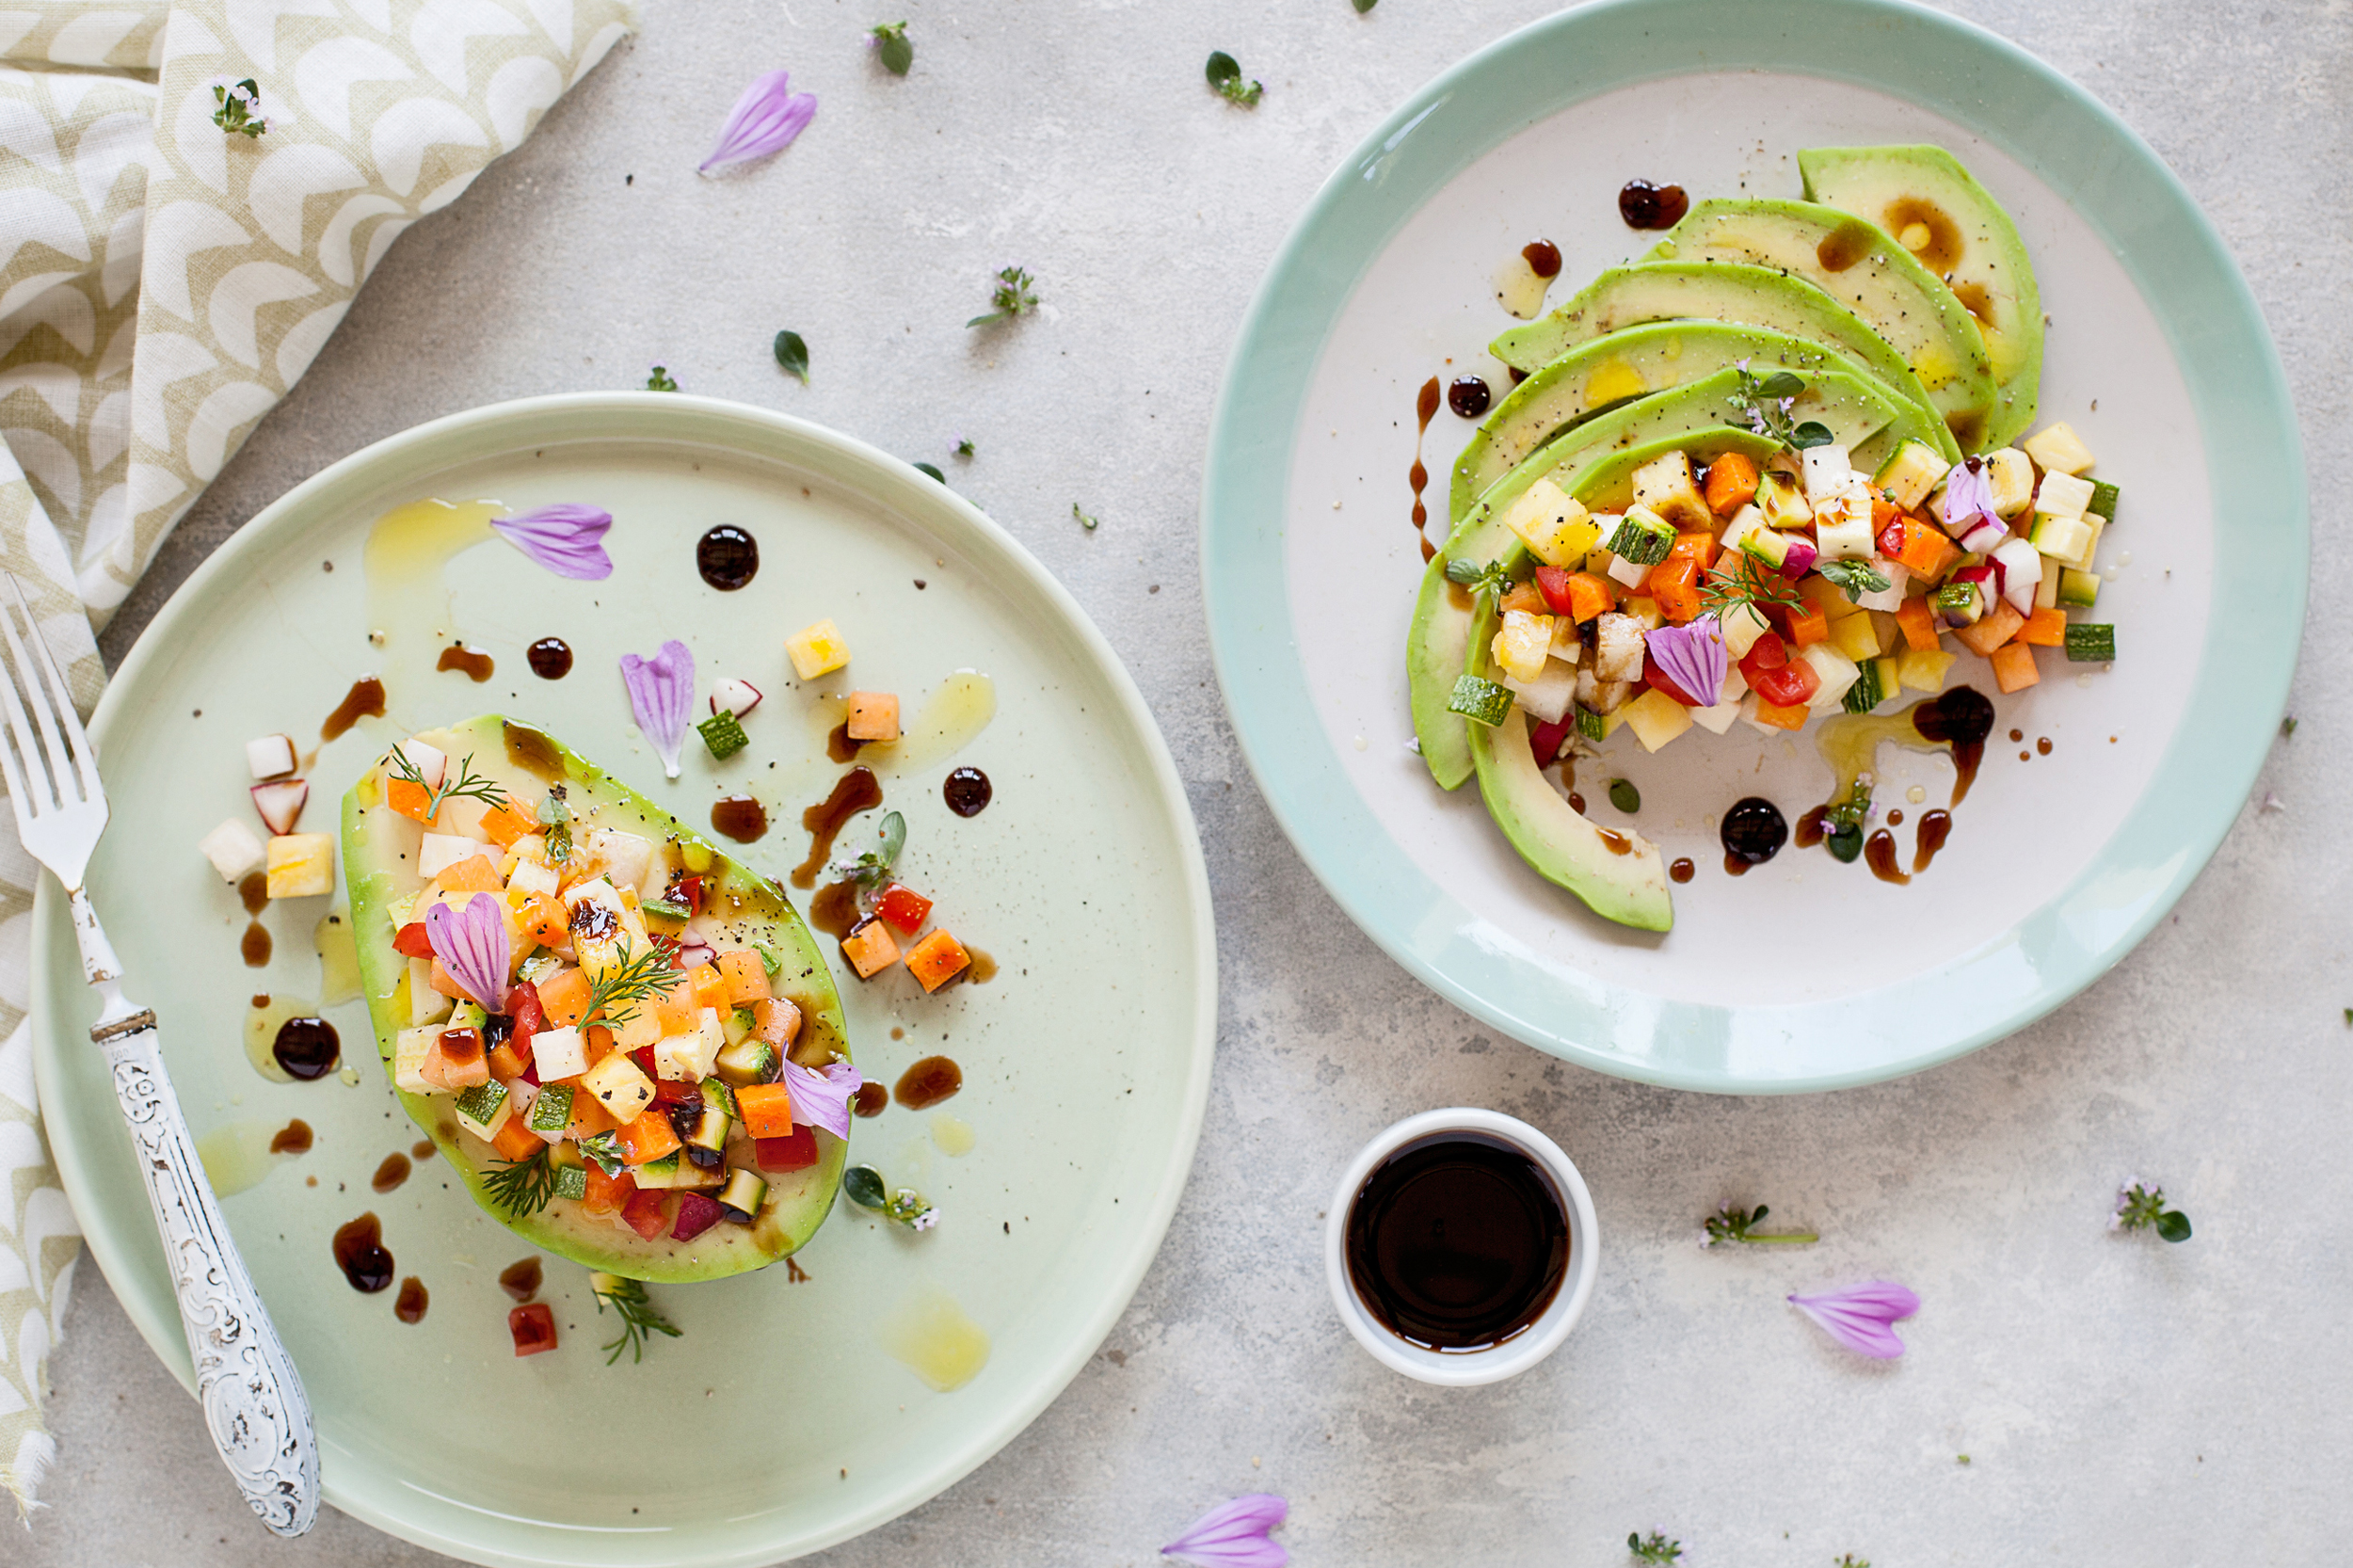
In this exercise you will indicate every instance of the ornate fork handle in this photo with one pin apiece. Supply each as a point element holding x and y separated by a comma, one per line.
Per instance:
<point>253,1403</point>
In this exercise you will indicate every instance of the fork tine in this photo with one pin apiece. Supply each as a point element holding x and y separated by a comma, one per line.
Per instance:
<point>21,736</point>
<point>85,760</point>
<point>20,665</point>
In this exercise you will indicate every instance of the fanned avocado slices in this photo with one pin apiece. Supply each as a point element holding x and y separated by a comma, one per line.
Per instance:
<point>1938,213</point>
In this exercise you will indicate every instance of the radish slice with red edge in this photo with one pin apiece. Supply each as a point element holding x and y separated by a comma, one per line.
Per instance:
<point>2020,567</point>
<point>281,802</point>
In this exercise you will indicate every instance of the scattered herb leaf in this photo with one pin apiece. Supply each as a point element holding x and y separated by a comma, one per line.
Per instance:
<point>639,1315</point>
<point>1491,578</point>
<point>1656,1548</point>
<point>871,869</point>
<point>237,105</point>
<point>1848,1560</point>
<point>1364,5</point>
<point>1843,824</point>
<point>659,380</point>
<point>2139,1207</point>
<point>964,447</point>
<point>1857,577</point>
<point>932,469</point>
<point>792,354</point>
<point>863,1185</point>
<point>1086,521</point>
<point>1224,74</point>
<point>606,1151</point>
<point>1625,796</point>
<point>1738,1225</point>
<point>893,48</point>
<point>1013,295</point>
<point>555,818</point>
<point>1765,404</point>
<point>2287,728</point>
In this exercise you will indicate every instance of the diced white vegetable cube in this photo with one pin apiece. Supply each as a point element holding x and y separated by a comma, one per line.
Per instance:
<point>233,851</point>
<point>1631,575</point>
<point>429,763</point>
<point>425,1004</point>
<point>2046,586</point>
<point>439,852</point>
<point>2059,449</point>
<point>270,756</point>
<point>737,696</point>
<point>1842,524</point>
<point>689,1056</point>
<point>1828,470</point>
<point>1717,719</point>
<point>1837,673</point>
<point>1743,625</point>
<point>1553,524</point>
<point>1890,599</point>
<point>2022,573</point>
<point>1547,697</point>
<point>558,1053</point>
<point>301,865</point>
<point>2011,477</point>
<point>1568,643</point>
<point>2062,495</point>
<point>1618,647</point>
<point>411,1046</point>
<point>628,859</point>
<point>533,876</point>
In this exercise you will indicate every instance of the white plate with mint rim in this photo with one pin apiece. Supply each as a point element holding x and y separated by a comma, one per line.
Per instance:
<point>1805,973</point>
<point>1085,1060</point>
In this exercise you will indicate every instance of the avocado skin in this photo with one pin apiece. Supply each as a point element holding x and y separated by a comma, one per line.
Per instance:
<point>1878,184</point>
<point>524,759</point>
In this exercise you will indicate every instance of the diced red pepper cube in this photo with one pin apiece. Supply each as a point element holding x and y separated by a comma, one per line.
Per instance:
<point>646,1213</point>
<point>696,1213</point>
<point>642,1056</point>
<point>1545,739</point>
<point>903,907</point>
<point>673,1091</point>
<point>533,1326</point>
<point>795,1153</point>
<point>410,941</point>
<point>1553,583</point>
<point>1656,680</point>
<point>522,1005</point>
<point>691,892</point>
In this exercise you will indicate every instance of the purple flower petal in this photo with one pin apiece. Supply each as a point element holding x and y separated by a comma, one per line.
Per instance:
<point>765,120</point>
<point>1234,1535</point>
<point>472,945</point>
<point>822,1099</point>
<point>1966,496</point>
<point>1693,657</point>
<point>561,539</point>
<point>661,693</point>
<point>1858,1317</point>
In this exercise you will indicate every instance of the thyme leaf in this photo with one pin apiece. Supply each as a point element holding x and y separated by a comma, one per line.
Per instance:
<point>237,105</point>
<point>1013,295</point>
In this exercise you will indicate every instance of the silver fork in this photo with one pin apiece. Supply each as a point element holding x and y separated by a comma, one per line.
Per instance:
<point>253,1403</point>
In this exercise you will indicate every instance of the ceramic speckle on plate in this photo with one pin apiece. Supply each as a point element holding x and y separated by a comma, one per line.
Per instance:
<point>821,1397</point>
<point>2057,862</point>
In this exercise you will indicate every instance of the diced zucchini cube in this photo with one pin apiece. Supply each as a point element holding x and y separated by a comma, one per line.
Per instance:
<point>484,1108</point>
<point>2059,449</point>
<point>1553,524</point>
<point>1868,690</point>
<point>571,1181</point>
<point>1781,499</point>
<point>411,1046</point>
<point>1656,719</point>
<point>2062,495</point>
<point>747,1062</point>
<point>1960,604</point>
<point>1828,470</point>
<point>300,865</point>
<point>2066,540</point>
<point>2077,590</point>
<point>1642,537</point>
<point>2091,643</point>
<point>1911,472</point>
<point>1665,486</point>
<point>817,650</point>
<point>2102,500</point>
<point>2011,477</point>
<point>1480,700</point>
<point>723,734</point>
<point>1592,726</point>
<point>551,1111</point>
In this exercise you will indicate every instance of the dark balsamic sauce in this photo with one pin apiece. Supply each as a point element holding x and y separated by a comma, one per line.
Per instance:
<point>1933,830</point>
<point>981,969</point>
<point>1879,854</point>
<point>1845,245</point>
<point>531,750</point>
<point>840,748</point>
<point>857,790</point>
<point>834,910</point>
<point>727,557</point>
<point>929,1081</point>
<point>1425,408</point>
<point>968,791</point>
<point>2042,746</point>
<point>1468,397</point>
<point>364,700</point>
<point>408,1306</point>
<point>740,817</point>
<point>1812,827</point>
<point>254,891</point>
<point>520,1280</point>
<point>255,946</point>
<point>478,665</point>
<point>873,1098</point>
<point>1458,1243</point>
<point>389,1175</point>
<point>551,658</point>
<point>1543,258</point>
<point>1644,206</point>
<point>425,1148</point>
<point>294,1138</point>
<point>1962,717</point>
<point>308,1049</point>
<point>1682,870</point>
<point>360,1253</point>
<point>1753,833</point>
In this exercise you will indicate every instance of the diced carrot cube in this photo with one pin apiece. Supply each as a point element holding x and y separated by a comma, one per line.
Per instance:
<point>1926,554</point>
<point>870,948</point>
<point>515,1141</point>
<point>1699,548</point>
<point>674,1013</point>
<point>1884,512</point>
<point>2045,628</point>
<point>1807,624</point>
<point>747,977</point>
<point>1780,717</point>
<point>607,1194</point>
<point>600,1044</point>
<point>410,800</point>
<point>589,1117</point>
<point>710,988</point>
<point>474,874</point>
<point>1589,596</point>
<point>2013,667</point>
<point>506,1062</point>
<point>776,1020</point>
<point>1991,631</point>
<point>937,959</point>
<point>456,1068</point>
<point>1525,597</point>
<point>872,716</point>
<point>1918,624</point>
<point>648,1137</point>
<point>766,1110</point>
<point>1675,584</point>
<point>1731,483</point>
<point>564,997</point>
<point>505,825</point>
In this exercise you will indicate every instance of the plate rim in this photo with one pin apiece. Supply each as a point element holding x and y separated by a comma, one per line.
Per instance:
<point>1246,476</point>
<point>889,482</point>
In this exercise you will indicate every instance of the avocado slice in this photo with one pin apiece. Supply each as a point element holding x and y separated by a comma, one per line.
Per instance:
<point>379,866</point>
<point>1620,877</point>
<point>1870,274</point>
<point>1860,418</point>
<point>1631,362</point>
<point>1730,292</point>
<point>1924,195</point>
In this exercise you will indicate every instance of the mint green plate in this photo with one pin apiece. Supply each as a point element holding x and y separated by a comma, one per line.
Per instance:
<point>1805,974</point>
<point>780,1422</point>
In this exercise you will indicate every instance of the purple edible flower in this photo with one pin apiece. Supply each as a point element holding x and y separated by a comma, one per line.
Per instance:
<point>1693,657</point>
<point>1858,1317</point>
<point>1234,1535</point>
<point>472,945</point>
<point>765,120</point>
<point>561,539</point>
<point>1966,495</point>
<point>661,691</point>
<point>823,1099</point>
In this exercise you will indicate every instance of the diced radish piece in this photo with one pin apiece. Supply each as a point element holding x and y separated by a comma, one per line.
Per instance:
<point>438,852</point>
<point>233,851</point>
<point>696,1213</point>
<point>1800,558</point>
<point>737,696</point>
<point>2021,567</point>
<point>430,763</point>
<point>694,952</point>
<point>271,757</point>
<point>1545,739</point>
<point>1983,536</point>
<point>281,804</point>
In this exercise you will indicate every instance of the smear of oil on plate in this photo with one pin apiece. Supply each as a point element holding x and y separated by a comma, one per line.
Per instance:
<point>933,1338</point>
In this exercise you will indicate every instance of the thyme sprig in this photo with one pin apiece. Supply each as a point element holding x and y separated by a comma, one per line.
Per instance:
<point>1013,295</point>
<point>1492,578</point>
<point>1766,403</point>
<point>2139,1207</point>
<point>605,1152</point>
<point>1737,1225</point>
<point>639,1315</point>
<point>521,1187</point>
<point>1746,583</point>
<point>467,785</point>
<point>1656,1548</point>
<point>638,976</point>
<point>237,105</point>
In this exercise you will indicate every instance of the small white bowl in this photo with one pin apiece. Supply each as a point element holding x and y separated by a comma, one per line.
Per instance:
<point>1465,1368</point>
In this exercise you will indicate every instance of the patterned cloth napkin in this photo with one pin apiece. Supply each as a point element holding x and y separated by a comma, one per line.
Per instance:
<point>163,282</point>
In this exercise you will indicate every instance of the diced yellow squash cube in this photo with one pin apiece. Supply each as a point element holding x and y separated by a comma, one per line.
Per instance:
<point>692,1054</point>
<point>1655,718</point>
<point>1554,524</point>
<point>301,865</point>
<point>1666,487</point>
<point>1923,669</point>
<point>619,1086</point>
<point>1644,609</point>
<point>817,650</point>
<point>425,1004</point>
<point>2059,449</point>
<point>1743,625</point>
<point>1856,637</point>
<point>2011,477</point>
<point>1524,644</point>
<point>411,1046</point>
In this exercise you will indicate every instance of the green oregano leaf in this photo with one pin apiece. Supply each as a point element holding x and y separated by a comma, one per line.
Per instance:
<point>792,354</point>
<point>933,471</point>
<point>893,48</point>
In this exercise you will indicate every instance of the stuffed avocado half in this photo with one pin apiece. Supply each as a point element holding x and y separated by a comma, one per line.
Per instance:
<point>626,1043</point>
